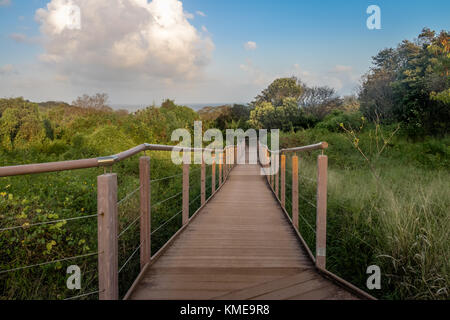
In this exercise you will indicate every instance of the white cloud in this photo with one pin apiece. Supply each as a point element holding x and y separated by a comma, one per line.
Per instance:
<point>4,3</point>
<point>7,69</point>
<point>256,75</point>
<point>250,45</point>
<point>340,68</point>
<point>200,13</point>
<point>23,38</point>
<point>189,15</point>
<point>123,39</point>
<point>340,77</point>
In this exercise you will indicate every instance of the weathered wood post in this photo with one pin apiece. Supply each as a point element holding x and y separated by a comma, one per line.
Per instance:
<point>283,181</point>
<point>321,219</point>
<point>203,182</point>
<point>186,161</point>
<point>145,199</point>
<point>220,168</point>
<point>108,227</point>
<point>295,191</point>
<point>235,156</point>
<point>213,175</point>
<point>225,164</point>
<point>277,175</point>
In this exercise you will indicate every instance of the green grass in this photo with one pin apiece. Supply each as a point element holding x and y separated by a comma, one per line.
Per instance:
<point>400,223</point>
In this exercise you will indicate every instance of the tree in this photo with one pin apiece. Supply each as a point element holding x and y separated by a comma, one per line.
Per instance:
<point>99,102</point>
<point>409,84</point>
<point>319,101</point>
<point>20,124</point>
<point>279,90</point>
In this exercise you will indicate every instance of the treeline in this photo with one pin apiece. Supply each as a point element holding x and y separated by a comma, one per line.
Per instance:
<point>86,128</point>
<point>409,85</point>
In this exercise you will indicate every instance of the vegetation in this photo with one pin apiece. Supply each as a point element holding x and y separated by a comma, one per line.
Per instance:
<point>389,160</point>
<point>36,211</point>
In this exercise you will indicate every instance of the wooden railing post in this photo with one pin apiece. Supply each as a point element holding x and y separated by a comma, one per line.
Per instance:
<point>203,182</point>
<point>186,161</point>
<point>225,164</point>
<point>277,175</point>
<point>283,181</point>
<point>295,191</point>
<point>213,176</point>
<point>220,168</point>
<point>108,262</point>
<point>321,219</point>
<point>235,153</point>
<point>145,199</point>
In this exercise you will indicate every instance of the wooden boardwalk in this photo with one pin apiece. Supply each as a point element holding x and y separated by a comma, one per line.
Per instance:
<point>240,246</point>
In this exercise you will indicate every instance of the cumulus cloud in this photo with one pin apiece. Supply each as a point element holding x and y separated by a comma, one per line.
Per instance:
<point>4,3</point>
<point>250,45</point>
<point>120,39</point>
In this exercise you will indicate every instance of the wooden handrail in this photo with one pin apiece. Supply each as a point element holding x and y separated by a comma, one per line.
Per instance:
<point>317,146</point>
<point>93,162</point>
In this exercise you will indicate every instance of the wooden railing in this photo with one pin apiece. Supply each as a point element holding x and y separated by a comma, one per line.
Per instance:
<point>107,202</point>
<point>276,178</point>
<point>275,168</point>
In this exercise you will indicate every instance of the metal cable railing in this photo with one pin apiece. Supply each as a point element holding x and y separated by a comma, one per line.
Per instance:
<point>103,211</point>
<point>28,225</point>
<point>48,262</point>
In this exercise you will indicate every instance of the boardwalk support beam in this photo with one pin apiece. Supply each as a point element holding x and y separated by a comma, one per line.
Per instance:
<point>321,220</point>
<point>108,263</point>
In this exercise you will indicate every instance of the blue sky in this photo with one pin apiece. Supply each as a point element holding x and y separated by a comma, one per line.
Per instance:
<point>201,56</point>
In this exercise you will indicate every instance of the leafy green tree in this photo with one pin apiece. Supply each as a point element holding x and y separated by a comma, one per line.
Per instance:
<point>410,84</point>
<point>20,124</point>
<point>279,90</point>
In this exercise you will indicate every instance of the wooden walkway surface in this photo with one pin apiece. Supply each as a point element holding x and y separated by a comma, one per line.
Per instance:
<point>239,247</point>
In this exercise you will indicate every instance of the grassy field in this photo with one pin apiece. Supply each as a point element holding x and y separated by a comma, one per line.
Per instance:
<point>397,219</point>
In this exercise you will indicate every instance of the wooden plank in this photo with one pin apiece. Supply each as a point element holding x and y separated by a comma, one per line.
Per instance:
<point>270,286</point>
<point>239,241</point>
<point>108,227</point>
<point>145,214</point>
